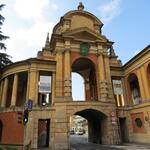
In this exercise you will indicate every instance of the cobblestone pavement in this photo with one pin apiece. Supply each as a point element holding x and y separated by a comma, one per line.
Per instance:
<point>79,142</point>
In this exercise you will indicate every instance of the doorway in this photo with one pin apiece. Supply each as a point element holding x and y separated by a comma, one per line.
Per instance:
<point>43,132</point>
<point>123,130</point>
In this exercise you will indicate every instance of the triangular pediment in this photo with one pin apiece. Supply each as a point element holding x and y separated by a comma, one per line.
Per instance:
<point>85,34</point>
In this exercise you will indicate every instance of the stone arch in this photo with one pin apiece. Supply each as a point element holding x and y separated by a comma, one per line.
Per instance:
<point>134,88</point>
<point>96,121</point>
<point>86,68</point>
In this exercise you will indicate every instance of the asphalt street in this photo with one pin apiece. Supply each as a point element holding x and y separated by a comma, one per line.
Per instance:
<point>79,142</point>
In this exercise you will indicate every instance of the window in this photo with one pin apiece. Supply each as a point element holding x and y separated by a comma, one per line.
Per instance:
<point>44,95</point>
<point>134,88</point>
<point>138,122</point>
<point>118,92</point>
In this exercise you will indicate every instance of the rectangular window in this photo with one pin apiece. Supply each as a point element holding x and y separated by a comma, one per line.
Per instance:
<point>118,92</point>
<point>45,85</point>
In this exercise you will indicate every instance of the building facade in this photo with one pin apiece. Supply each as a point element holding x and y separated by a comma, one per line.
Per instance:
<point>117,97</point>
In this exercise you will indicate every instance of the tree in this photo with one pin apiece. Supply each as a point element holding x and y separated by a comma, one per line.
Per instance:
<point>4,58</point>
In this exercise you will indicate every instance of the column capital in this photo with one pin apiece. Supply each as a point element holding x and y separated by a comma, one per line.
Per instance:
<point>67,43</point>
<point>59,52</point>
<point>99,52</point>
<point>67,50</point>
<point>105,54</point>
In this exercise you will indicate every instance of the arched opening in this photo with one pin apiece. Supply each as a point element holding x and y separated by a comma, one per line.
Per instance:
<point>134,88</point>
<point>86,69</point>
<point>78,87</point>
<point>93,123</point>
<point>1,130</point>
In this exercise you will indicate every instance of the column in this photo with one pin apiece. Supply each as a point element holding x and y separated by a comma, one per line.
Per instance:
<point>124,91</point>
<point>36,86</point>
<point>28,84</point>
<point>53,86</point>
<point>118,101</point>
<point>4,95</point>
<point>59,73</point>
<point>14,90</point>
<point>32,89</point>
<point>140,84</point>
<point>1,89</point>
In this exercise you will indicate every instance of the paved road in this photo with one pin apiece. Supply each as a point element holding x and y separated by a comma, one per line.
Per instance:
<point>79,142</point>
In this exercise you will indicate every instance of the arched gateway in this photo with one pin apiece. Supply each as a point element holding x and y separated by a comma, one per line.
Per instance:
<point>80,47</point>
<point>116,105</point>
<point>76,45</point>
<point>96,122</point>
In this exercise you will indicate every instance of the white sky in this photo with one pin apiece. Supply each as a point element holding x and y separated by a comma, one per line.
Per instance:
<point>28,21</point>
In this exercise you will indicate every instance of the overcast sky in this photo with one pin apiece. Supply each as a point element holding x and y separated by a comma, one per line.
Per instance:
<point>126,22</point>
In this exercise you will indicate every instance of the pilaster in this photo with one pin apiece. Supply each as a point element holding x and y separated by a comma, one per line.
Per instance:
<point>59,75</point>
<point>108,74</point>
<point>103,92</point>
<point>53,86</point>
<point>67,74</point>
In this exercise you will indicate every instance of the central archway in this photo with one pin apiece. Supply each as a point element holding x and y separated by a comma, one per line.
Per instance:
<point>86,68</point>
<point>96,122</point>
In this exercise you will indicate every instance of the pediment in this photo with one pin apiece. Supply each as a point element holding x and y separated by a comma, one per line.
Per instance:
<point>85,34</point>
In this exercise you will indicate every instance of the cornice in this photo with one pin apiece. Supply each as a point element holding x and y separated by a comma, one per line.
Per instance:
<point>137,57</point>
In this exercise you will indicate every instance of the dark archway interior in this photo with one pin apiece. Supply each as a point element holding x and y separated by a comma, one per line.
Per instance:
<point>86,69</point>
<point>22,88</point>
<point>95,120</point>
<point>134,87</point>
